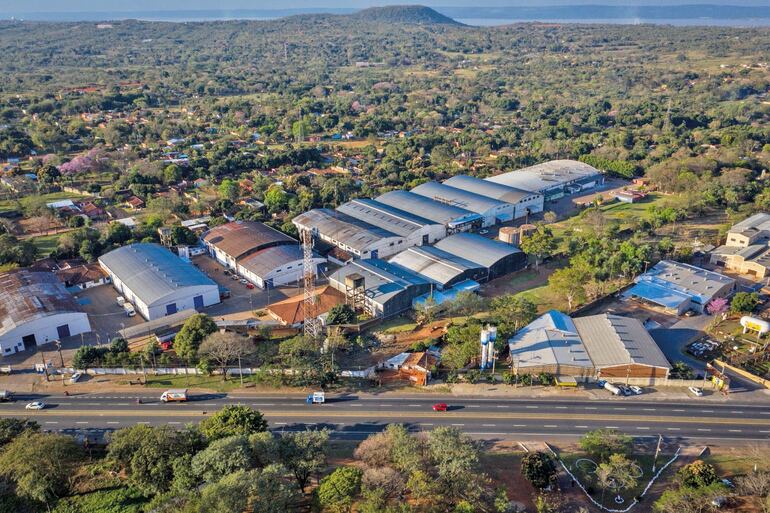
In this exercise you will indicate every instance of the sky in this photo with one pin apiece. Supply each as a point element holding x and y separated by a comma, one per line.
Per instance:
<point>30,6</point>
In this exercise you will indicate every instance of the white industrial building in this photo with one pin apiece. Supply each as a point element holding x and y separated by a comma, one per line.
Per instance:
<point>257,252</point>
<point>491,210</point>
<point>356,237</point>
<point>524,202</point>
<point>455,219</point>
<point>36,308</point>
<point>552,179</point>
<point>156,281</point>
<point>415,229</point>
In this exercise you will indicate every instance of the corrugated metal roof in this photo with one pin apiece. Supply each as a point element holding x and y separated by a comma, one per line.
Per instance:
<point>489,189</point>
<point>551,339</point>
<point>384,216</point>
<point>757,222</point>
<point>342,228</point>
<point>612,340</point>
<point>152,272</point>
<point>26,296</point>
<point>426,207</point>
<point>546,175</point>
<point>266,260</point>
<point>477,249</point>
<point>434,264</point>
<point>457,197</point>
<point>240,237</point>
<point>382,280</point>
<point>686,279</point>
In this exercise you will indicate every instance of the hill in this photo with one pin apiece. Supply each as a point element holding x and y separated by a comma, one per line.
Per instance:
<point>404,14</point>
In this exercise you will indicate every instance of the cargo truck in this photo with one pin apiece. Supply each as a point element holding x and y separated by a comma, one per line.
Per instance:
<point>316,398</point>
<point>178,395</point>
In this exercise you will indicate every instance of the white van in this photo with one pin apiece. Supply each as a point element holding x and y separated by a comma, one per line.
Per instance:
<point>129,308</point>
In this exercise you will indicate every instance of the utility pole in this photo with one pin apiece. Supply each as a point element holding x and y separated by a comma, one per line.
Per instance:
<point>45,367</point>
<point>58,348</point>
<point>657,452</point>
<point>240,369</point>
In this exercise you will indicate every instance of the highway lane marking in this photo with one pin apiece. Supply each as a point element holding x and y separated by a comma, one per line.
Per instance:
<point>735,430</point>
<point>488,425</point>
<point>703,429</point>
<point>582,427</point>
<point>564,408</point>
<point>415,405</point>
<point>501,406</point>
<point>532,407</point>
<point>678,410</point>
<point>707,411</point>
<point>51,422</point>
<point>643,428</point>
<point>113,422</point>
<point>474,406</point>
<point>673,429</point>
<point>319,415</point>
<point>648,409</point>
<point>590,408</point>
<point>619,408</point>
<point>733,411</point>
<point>458,425</point>
<point>81,422</point>
<point>611,427</point>
<point>550,426</point>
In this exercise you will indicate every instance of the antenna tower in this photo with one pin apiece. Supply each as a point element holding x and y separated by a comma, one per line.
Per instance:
<point>312,325</point>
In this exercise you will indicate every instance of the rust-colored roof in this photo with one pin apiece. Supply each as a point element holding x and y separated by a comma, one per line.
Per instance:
<point>290,312</point>
<point>239,238</point>
<point>76,275</point>
<point>26,296</point>
<point>422,359</point>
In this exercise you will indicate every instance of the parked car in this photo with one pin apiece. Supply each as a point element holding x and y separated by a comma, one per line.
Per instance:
<point>636,390</point>
<point>244,281</point>
<point>624,390</point>
<point>696,391</point>
<point>35,405</point>
<point>129,308</point>
<point>483,232</point>
<point>121,301</point>
<point>76,377</point>
<point>249,286</point>
<point>440,407</point>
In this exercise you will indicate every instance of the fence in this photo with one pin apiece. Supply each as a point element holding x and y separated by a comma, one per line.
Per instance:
<point>744,373</point>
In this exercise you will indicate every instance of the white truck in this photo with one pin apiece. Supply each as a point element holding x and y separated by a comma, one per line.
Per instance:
<point>174,395</point>
<point>316,398</point>
<point>612,388</point>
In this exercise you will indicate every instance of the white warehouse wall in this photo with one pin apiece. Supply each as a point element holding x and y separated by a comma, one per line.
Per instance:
<point>43,328</point>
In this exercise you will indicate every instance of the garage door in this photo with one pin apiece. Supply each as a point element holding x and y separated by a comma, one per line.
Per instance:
<point>63,331</point>
<point>171,309</point>
<point>198,302</point>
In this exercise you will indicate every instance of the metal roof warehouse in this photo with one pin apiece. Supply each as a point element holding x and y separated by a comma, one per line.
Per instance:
<point>491,210</point>
<point>552,179</point>
<point>36,308</point>
<point>157,281</point>
<point>453,217</point>
<point>524,202</point>
<point>497,257</point>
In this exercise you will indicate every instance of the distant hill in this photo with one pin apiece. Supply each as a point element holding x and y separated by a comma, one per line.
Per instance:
<point>404,14</point>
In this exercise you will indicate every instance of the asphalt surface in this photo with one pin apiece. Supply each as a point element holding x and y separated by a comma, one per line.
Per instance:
<point>355,417</point>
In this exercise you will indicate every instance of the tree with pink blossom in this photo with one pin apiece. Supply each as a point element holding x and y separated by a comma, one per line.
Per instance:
<point>717,306</point>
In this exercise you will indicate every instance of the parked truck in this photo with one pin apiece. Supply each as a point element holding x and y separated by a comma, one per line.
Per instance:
<point>178,395</point>
<point>612,388</point>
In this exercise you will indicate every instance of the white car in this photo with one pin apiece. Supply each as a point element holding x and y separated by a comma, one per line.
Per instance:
<point>697,392</point>
<point>36,405</point>
<point>121,301</point>
<point>76,377</point>
<point>636,390</point>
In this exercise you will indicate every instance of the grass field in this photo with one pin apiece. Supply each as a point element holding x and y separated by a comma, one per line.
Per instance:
<point>544,298</point>
<point>45,244</point>
<point>8,205</point>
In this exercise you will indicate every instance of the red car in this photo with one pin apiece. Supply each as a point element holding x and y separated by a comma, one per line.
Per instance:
<point>440,407</point>
<point>249,285</point>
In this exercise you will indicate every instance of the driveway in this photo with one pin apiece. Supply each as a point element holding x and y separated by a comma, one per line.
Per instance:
<point>673,341</point>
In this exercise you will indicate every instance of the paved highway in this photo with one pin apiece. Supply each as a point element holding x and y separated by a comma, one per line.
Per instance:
<point>355,417</point>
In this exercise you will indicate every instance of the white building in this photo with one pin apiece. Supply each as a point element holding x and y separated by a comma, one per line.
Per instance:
<point>524,202</point>
<point>259,253</point>
<point>491,210</point>
<point>553,179</point>
<point>158,282</point>
<point>417,230</point>
<point>35,308</point>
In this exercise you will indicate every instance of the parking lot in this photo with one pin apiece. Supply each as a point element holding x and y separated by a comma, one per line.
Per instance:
<point>243,301</point>
<point>649,315</point>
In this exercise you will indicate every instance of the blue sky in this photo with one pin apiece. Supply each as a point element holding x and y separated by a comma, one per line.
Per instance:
<point>29,6</point>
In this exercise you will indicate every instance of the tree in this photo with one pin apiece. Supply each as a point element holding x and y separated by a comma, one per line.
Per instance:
<point>229,494</point>
<point>118,233</point>
<point>341,314</point>
<point>455,458</point>
<point>118,345</point>
<point>618,470</point>
<point>303,453</point>
<point>276,199</point>
<point>273,492</point>
<point>231,420</point>
<point>48,174</point>
<point>41,465</point>
<point>601,443</point>
<point>189,338</point>
<point>689,500</point>
<point>569,282</point>
<point>538,468</point>
<point>717,306</point>
<point>183,236</point>
<point>225,348</point>
<point>513,312</point>
<point>12,427</point>
<point>229,190</point>
<point>697,474</point>
<point>539,244</point>
<point>337,491</point>
<point>147,454</point>
<point>223,457</point>
<point>744,302</point>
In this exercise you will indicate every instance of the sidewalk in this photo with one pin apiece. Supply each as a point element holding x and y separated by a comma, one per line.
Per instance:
<point>32,383</point>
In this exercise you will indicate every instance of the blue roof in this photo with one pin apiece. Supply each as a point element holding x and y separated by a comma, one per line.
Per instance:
<point>663,296</point>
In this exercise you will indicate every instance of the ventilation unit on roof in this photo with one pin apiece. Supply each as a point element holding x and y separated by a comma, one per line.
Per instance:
<point>36,302</point>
